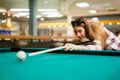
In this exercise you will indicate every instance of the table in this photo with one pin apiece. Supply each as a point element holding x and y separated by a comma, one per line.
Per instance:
<point>60,65</point>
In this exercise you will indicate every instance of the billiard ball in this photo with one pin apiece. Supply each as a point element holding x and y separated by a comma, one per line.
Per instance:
<point>21,55</point>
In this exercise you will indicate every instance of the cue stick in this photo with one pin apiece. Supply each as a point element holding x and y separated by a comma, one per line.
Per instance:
<point>53,49</point>
<point>45,51</point>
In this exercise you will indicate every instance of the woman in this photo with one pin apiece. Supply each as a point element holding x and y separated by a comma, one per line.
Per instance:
<point>100,38</point>
<point>118,34</point>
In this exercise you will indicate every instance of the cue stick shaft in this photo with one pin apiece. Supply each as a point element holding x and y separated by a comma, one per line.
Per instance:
<point>45,51</point>
<point>50,50</point>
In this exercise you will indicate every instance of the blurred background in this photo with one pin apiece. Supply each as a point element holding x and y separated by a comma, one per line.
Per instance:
<point>51,18</point>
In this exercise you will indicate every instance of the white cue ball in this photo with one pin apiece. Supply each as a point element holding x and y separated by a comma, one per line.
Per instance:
<point>21,55</point>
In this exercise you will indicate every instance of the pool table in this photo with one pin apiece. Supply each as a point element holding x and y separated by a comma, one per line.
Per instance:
<point>60,65</point>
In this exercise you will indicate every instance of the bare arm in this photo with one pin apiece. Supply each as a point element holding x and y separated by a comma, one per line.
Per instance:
<point>95,46</point>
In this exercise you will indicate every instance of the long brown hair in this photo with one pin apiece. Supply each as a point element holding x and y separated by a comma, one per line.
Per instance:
<point>93,30</point>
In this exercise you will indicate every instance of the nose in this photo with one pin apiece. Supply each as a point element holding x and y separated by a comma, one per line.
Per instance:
<point>79,35</point>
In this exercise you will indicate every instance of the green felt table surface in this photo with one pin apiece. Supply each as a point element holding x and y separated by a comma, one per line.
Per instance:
<point>60,65</point>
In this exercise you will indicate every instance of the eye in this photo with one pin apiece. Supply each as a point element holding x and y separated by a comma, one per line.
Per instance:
<point>75,32</point>
<point>80,31</point>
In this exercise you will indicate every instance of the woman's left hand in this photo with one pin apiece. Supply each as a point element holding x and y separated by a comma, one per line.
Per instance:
<point>69,47</point>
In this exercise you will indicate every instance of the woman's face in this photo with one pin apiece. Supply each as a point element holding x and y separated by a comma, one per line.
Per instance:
<point>80,32</point>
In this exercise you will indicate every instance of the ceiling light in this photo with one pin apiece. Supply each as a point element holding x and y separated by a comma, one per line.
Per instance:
<point>53,13</point>
<point>42,19</point>
<point>96,19</point>
<point>110,23</point>
<point>28,9</point>
<point>19,9</point>
<point>3,21</point>
<point>59,15</point>
<point>3,13</point>
<point>92,11</point>
<point>82,4</point>
<point>47,9</point>
<point>45,2</point>
<point>21,14</point>
<point>37,16</point>
<point>2,10</point>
